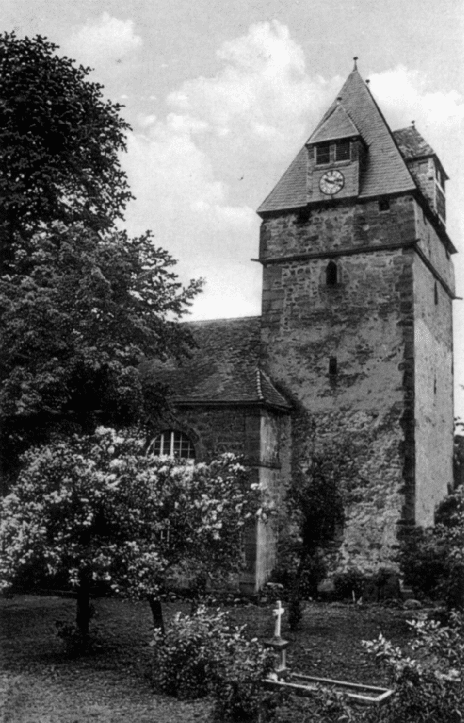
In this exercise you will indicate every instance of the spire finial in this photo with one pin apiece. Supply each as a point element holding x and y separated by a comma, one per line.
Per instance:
<point>355,62</point>
<point>413,123</point>
<point>367,81</point>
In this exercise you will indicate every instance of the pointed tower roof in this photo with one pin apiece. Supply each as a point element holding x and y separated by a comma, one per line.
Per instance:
<point>385,170</point>
<point>413,145</point>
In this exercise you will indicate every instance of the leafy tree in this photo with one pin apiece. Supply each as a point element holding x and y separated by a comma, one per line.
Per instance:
<point>99,508</point>
<point>315,512</point>
<point>75,328</point>
<point>59,148</point>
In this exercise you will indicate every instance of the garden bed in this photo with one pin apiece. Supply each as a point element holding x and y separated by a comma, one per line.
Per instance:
<point>41,684</point>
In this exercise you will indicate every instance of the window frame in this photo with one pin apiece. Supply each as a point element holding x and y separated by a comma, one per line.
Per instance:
<point>323,147</point>
<point>332,274</point>
<point>177,442</point>
<point>338,146</point>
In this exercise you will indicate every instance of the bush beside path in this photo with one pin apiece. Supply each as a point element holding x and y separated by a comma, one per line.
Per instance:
<point>42,684</point>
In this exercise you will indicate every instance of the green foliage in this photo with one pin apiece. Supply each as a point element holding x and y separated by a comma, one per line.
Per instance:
<point>81,305</point>
<point>238,693</point>
<point>75,329</point>
<point>323,706</point>
<point>429,686</point>
<point>100,509</point>
<point>315,499</point>
<point>59,147</point>
<point>315,507</point>
<point>203,654</point>
<point>184,656</point>
<point>432,560</point>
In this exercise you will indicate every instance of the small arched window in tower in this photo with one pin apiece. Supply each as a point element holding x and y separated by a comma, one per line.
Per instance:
<point>333,366</point>
<point>304,214</point>
<point>435,385</point>
<point>384,204</point>
<point>331,274</point>
<point>435,294</point>
<point>172,443</point>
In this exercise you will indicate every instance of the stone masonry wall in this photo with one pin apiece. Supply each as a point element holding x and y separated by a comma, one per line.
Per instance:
<point>365,323</point>
<point>261,438</point>
<point>335,227</point>
<point>433,353</point>
<point>275,466</point>
<point>432,248</point>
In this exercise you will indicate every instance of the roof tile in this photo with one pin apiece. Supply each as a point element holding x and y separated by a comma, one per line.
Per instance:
<point>337,125</point>
<point>223,368</point>
<point>411,143</point>
<point>385,171</point>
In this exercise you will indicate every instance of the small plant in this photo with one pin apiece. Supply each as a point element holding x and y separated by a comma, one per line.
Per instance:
<point>203,654</point>
<point>323,706</point>
<point>432,560</point>
<point>184,655</point>
<point>237,684</point>
<point>428,687</point>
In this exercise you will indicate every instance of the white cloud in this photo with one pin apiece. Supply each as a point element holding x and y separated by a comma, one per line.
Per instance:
<point>403,96</point>
<point>198,171</point>
<point>262,95</point>
<point>184,169</point>
<point>106,39</point>
<point>187,207</point>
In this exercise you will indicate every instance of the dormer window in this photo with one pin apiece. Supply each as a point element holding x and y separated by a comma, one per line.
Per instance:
<point>323,154</point>
<point>327,152</point>
<point>342,151</point>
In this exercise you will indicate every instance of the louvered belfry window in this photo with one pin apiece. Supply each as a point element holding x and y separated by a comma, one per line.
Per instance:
<point>323,153</point>
<point>342,151</point>
<point>173,444</point>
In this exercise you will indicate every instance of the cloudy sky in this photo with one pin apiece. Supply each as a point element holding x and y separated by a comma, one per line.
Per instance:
<point>221,94</point>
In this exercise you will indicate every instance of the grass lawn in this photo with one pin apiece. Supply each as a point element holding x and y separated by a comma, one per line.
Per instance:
<point>40,684</point>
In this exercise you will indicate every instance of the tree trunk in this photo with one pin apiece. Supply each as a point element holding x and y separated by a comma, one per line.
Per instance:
<point>157,612</point>
<point>83,606</point>
<point>294,612</point>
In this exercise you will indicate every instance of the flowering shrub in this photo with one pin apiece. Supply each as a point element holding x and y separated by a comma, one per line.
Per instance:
<point>428,687</point>
<point>241,667</point>
<point>202,654</point>
<point>184,655</point>
<point>99,508</point>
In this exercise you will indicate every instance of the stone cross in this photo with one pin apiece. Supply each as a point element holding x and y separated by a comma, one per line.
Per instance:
<point>278,612</point>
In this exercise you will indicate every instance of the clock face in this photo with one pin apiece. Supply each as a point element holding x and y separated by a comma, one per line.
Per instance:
<point>332,182</point>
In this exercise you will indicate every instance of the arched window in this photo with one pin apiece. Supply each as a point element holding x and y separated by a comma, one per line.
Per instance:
<point>172,444</point>
<point>331,274</point>
<point>333,366</point>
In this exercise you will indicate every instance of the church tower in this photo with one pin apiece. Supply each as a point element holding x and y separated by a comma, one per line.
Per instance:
<point>356,322</point>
